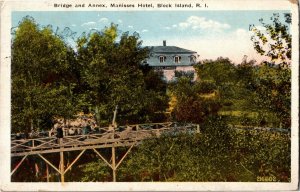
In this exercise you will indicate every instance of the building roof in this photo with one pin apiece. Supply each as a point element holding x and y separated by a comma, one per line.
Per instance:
<point>169,53</point>
<point>169,49</point>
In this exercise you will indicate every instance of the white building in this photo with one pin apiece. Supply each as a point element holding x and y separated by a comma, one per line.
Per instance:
<point>170,59</point>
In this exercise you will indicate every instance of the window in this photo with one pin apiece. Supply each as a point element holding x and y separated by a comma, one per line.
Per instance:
<point>192,59</point>
<point>162,59</point>
<point>177,59</point>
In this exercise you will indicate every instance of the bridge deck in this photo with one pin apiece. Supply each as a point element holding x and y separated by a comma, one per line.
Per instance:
<point>123,136</point>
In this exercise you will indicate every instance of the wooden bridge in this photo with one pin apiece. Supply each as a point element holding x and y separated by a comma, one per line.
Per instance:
<point>105,137</point>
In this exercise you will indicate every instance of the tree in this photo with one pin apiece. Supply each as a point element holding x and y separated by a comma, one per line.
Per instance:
<point>222,72</point>
<point>193,101</point>
<point>227,79</point>
<point>40,66</point>
<point>273,78</point>
<point>272,91</point>
<point>112,74</point>
<point>274,40</point>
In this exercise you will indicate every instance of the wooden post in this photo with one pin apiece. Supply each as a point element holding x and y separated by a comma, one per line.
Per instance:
<point>198,128</point>
<point>62,168</point>
<point>62,171</point>
<point>113,157</point>
<point>115,116</point>
<point>113,150</point>
<point>47,172</point>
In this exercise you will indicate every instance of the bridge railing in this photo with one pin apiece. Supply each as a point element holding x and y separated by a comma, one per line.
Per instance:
<point>128,133</point>
<point>256,128</point>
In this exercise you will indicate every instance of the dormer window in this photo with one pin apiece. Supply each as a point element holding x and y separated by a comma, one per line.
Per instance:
<point>162,59</point>
<point>177,59</point>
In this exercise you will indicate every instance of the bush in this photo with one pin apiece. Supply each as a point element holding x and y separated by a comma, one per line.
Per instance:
<point>219,153</point>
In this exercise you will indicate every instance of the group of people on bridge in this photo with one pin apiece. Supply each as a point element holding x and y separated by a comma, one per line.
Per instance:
<point>81,125</point>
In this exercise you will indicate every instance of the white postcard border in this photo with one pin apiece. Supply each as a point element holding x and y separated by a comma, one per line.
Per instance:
<point>33,5</point>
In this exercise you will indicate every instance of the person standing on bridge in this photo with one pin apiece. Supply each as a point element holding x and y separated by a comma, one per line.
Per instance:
<point>86,127</point>
<point>59,133</point>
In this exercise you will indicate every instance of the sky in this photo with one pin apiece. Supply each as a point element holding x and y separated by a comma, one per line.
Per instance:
<point>211,33</point>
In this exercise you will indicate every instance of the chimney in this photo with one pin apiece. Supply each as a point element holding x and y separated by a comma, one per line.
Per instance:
<point>164,43</point>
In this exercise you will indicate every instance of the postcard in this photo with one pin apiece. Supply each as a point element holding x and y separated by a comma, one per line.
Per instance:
<point>152,95</point>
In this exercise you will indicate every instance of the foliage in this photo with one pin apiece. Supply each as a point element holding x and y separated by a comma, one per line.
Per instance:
<point>272,79</point>
<point>223,75</point>
<point>274,40</point>
<point>155,94</point>
<point>194,100</point>
<point>273,91</point>
<point>264,89</point>
<point>50,79</point>
<point>188,74</point>
<point>95,171</point>
<point>112,75</point>
<point>218,153</point>
<point>39,77</point>
<point>220,71</point>
<point>264,153</point>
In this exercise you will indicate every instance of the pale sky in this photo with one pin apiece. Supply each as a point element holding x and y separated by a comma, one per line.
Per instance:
<point>211,33</point>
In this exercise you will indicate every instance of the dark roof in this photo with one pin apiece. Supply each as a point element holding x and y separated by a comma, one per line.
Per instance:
<point>169,49</point>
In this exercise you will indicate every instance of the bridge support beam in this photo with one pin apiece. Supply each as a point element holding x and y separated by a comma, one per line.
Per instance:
<point>130,137</point>
<point>62,167</point>
<point>19,164</point>
<point>47,172</point>
<point>61,164</point>
<point>125,155</point>
<point>75,160</point>
<point>49,163</point>
<point>113,165</point>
